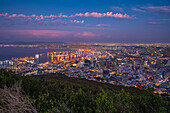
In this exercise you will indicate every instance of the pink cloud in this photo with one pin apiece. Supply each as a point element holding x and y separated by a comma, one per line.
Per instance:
<point>51,34</point>
<point>21,15</point>
<point>157,8</point>
<point>44,20</point>
<point>87,34</point>
<point>79,14</point>
<point>64,16</point>
<point>91,28</point>
<point>139,10</point>
<point>117,8</point>
<point>101,15</point>
<point>60,15</point>
<point>77,22</point>
<point>39,33</point>
<point>15,15</point>
<point>82,21</point>
<point>160,8</point>
<point>37,18</point>
<point>4,14</point>
<point>71,16</point>
<point>87,14</point>
<point>12,16</point>
<point>55,21</point>
<point>157,23</point>
<point>32,16</point>
<point>41,17</point>
<point>99,25</point>
<point>51,16</point>
<point>119,15</point>
<point>28,20</point>
<point>161,19</point>
<point>94,14</point>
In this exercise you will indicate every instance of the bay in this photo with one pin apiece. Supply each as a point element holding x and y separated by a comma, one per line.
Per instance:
<point>6,53</point>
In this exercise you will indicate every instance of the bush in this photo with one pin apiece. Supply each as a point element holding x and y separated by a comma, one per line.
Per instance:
<point>58,93</point>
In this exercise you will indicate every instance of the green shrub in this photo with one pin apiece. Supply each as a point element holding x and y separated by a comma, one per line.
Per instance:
<point>58,93</point>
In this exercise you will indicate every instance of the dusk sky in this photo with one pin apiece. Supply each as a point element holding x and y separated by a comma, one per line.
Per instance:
<point>114,21</point>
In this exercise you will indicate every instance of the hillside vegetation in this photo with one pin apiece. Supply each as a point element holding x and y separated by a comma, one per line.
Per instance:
<point>59,93</point>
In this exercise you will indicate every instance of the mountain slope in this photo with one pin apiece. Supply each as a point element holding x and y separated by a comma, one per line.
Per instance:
<point>59,93</point>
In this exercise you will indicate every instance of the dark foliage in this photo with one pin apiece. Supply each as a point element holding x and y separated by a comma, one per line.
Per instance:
<point>59,93</point>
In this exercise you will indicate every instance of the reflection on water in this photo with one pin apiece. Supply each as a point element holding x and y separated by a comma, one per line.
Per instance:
<point>6,53</point>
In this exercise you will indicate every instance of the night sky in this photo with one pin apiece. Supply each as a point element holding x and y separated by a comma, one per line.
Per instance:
<point>114,21</point>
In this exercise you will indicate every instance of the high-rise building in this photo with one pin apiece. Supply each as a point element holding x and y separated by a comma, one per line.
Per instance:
<point>37,58</point>
<point>118,61</point>
<point>134,64</point>
<point>145,62</point>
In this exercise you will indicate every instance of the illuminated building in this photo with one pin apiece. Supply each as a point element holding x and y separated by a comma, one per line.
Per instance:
<point>37,58</point>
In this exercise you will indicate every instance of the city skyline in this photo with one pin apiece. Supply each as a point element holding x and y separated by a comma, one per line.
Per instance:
<point>137,21</point>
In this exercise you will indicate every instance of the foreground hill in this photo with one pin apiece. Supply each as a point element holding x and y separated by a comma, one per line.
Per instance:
<point>59,93</point>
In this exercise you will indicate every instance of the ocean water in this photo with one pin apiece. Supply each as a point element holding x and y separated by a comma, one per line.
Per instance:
<point>6,53</point>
